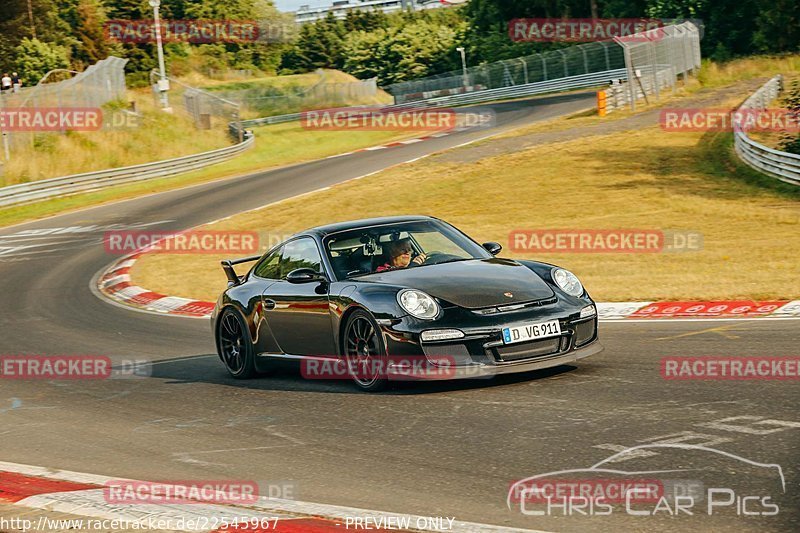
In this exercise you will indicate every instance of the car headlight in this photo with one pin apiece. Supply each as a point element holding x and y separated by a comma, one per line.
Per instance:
<point>418,304</point>
<point>568,282</point>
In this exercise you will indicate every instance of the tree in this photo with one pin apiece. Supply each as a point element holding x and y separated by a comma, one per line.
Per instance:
<point>778,27</point>
<point>398,54</point>
<point>87,17</point>
<point>319,45</point>
<point>35,59</point>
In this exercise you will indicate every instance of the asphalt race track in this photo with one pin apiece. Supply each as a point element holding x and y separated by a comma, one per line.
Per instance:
<point>448,449</point>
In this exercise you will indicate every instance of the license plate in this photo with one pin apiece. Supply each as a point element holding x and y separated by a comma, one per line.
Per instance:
<point>539,330</point>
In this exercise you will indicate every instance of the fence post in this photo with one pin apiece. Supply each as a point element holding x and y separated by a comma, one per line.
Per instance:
<point>631,74</point>
<point>566,68</point>
<point>524,69</point>
<point>585,60</point>
<point>651,50</point>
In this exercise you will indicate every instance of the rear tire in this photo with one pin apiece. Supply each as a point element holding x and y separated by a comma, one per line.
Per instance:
<point>364,352</point>
<point>234,345</point>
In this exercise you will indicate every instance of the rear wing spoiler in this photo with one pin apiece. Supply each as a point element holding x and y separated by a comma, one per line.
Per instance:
<point>230,273</point>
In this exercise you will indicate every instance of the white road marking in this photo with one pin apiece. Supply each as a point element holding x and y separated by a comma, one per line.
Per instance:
<point>92,503</point>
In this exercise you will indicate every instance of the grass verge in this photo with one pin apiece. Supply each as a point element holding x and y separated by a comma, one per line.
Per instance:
<point>276,145</point>
<point>646,179</point>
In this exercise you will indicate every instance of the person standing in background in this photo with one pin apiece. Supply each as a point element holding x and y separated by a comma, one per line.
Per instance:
<point>5,83</point>
<point>16,83</point>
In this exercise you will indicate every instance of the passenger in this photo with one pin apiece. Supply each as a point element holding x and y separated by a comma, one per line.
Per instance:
<point>399,253</point>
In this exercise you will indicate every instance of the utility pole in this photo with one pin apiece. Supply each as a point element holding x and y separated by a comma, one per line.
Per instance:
<point>163,82</point>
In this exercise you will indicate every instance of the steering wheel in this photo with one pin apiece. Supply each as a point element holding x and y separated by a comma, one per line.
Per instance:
<point>428,257</point>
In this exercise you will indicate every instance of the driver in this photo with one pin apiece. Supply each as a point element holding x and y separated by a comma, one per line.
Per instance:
<point>399,253</point>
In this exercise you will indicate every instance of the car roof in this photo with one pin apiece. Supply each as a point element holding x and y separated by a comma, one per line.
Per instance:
<point>321,231</point>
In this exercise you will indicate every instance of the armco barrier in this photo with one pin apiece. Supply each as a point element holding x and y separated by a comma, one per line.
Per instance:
<point>43,189</point>
<point>65,185</point>
<point>517,91</point>
<point>781,165</point>
<point>277,119</point>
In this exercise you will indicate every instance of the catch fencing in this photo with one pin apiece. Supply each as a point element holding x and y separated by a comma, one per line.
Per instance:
<point>568,62</point>
<point>519,91</point>
<point>206,110</point>
<point>264,101</point>
<point>781,165</point>
<point>96,86</point>
<point>654,59</point>
<point>502,93</point>
<point>99,84</point>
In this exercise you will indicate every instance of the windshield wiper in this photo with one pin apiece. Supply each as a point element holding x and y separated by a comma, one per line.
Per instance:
<point>453,260</point>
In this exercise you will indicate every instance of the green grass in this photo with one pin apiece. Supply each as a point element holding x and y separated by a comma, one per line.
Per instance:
<point>276,145</point>
<point>292,94</point>
<point>646,178</point>
<point>152,138</point>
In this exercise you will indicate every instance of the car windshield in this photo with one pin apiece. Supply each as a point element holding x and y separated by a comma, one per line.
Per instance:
<point>396,246</point>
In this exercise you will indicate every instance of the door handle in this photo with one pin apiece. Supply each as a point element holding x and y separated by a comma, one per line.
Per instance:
<point>269,305</point>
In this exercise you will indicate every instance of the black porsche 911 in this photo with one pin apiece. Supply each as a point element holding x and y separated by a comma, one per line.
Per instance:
<point>399,298</point>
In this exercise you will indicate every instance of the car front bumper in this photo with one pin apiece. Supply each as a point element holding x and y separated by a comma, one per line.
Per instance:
<point>482,351</point>
<point>444,370</point>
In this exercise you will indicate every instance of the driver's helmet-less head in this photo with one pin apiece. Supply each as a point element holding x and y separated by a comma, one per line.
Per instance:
<point>399,247</point>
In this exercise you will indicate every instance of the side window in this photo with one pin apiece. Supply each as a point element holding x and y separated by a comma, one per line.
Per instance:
<point>269,267</point>
<point>302,253</point>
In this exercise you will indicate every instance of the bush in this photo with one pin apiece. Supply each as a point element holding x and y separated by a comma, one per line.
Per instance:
<point>39,58</point>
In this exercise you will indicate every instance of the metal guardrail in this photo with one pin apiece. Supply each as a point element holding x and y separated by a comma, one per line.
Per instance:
<point>277,119</point>
<point>66,185</point>
<point>781,165</point>
<point>43,189</point>
<point>574,60</point>
<point>516,91</point>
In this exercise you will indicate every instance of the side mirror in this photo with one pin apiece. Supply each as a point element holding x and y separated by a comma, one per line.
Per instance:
<point>492,247</point>
<point>304,275</point>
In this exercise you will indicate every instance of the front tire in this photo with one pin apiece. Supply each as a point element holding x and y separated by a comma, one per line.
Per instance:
<point>234,345</point>
<point>364,352</point>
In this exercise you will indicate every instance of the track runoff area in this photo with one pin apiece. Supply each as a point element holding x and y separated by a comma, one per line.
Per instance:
<point>683,421</point>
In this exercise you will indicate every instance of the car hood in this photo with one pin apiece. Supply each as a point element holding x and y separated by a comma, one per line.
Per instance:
<point>471,284</point>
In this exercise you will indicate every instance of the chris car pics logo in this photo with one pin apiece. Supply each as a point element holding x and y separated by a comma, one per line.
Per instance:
<point>700,487</point>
